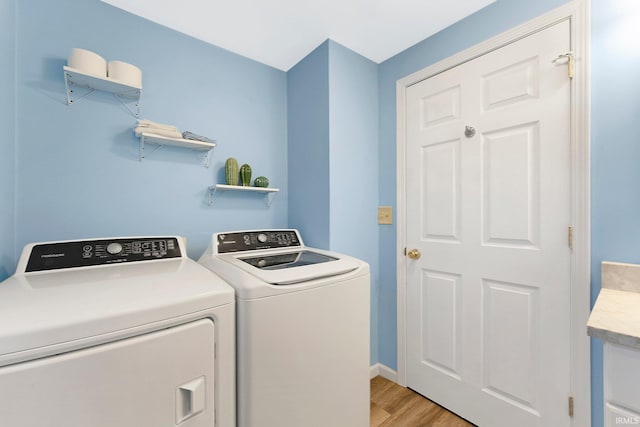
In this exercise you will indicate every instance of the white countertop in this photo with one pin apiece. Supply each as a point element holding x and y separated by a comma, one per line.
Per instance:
<point>616,314</point>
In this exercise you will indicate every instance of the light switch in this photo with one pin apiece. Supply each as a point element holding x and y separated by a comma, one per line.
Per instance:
<point>385,215</point>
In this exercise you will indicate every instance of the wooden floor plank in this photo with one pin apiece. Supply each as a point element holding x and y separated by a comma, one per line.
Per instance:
<point>392,397</point>
<point>378,415</point>
<point>395,406</point>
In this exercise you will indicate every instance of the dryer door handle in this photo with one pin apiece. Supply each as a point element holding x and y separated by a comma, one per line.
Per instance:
<point>190,399</point>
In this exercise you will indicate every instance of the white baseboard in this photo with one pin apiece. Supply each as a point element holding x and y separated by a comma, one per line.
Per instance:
<point>384,371</point>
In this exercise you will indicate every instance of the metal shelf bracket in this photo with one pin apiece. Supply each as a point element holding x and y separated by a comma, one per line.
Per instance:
<point>79,85</point>
<point>205,150</point>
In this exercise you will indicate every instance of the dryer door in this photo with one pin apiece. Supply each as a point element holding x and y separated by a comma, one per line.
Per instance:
<point>163,378</point>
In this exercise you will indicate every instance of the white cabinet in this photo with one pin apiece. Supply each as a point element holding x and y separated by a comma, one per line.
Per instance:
<point>621,385</point>
<point>615,319</point>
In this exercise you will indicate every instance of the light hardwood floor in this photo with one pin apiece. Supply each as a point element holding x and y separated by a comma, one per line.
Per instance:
<point>396,406</point>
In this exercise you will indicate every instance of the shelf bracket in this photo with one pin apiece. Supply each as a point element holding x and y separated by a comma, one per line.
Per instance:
<point>268,196</point>
<point>206,158</point>
<point>142,156</point>
<point>124,93</point>
<point>212,191</point>
<point>204,151</point>
<point>268,199</point>
<point>130,96</point>
<point>70,90</point>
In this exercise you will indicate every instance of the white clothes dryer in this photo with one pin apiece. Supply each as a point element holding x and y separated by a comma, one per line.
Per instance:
<point>124,332</point>
<point>302,330</point>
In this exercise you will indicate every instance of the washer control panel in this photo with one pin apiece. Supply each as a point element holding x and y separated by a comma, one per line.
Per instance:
<point>257,240</point>
<point>59,255</point>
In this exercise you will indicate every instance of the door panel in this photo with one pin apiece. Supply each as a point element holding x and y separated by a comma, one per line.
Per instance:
<point>488,301</point>
<point>510,356</point>
<point>510,191</point>
<point>515,83</point>
<point>441,183</point>
<point>440,296</point>
<point>440,107</point>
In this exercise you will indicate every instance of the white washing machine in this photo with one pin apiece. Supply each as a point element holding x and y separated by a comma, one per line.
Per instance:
<point>302,330</point>
<point>125,332</point>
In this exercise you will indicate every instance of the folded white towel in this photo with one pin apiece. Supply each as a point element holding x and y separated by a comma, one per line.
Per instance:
<point>155,125</point>
<point>153,131</point>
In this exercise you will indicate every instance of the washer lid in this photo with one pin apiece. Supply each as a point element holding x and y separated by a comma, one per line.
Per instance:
<point>291,267</point>
<point>287,260</point>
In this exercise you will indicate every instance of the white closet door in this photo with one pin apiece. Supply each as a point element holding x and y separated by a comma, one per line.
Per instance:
<point>488,205</point>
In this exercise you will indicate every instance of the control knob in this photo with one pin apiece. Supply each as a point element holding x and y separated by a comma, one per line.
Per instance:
<point>114,248</point>
<point>262,238</point>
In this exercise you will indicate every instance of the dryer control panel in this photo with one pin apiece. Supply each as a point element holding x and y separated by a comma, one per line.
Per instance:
<point>243,241</point>
<point>59,255</point>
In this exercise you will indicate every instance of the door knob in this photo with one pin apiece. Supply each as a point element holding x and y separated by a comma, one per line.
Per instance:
<point>414,254</point>
<point>469,131</point>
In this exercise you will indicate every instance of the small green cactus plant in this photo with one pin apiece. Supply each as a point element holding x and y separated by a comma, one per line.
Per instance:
<point>261,181</point>
<point>245,175</point>
<point>231,171</point>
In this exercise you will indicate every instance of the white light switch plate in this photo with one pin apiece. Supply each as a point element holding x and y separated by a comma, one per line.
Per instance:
<point>385,215</point>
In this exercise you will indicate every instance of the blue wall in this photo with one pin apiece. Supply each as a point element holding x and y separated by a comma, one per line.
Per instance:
<point>615,149</point>
<point>615,145</point>
<point>308,142</point>
<point>78,173</point>
<point>333,160</point>
<point>353,118</point>
<point>7,141</point>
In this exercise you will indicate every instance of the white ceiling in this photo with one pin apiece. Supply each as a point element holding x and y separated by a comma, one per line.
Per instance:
<point>280,33</point>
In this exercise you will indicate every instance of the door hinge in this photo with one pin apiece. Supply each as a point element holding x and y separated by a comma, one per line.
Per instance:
<point>570,62</point>
<point>570,237</point>
<point>571,406</point>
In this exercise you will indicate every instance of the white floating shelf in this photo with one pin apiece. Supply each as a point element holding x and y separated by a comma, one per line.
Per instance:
<point>269,193</point>
<point>90,83</point>
<point>106,84</point>
<point>159,140</point>
<point>176,142</point>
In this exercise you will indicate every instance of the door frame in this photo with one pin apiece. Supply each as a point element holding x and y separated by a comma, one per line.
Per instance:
<point>577,11</point>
